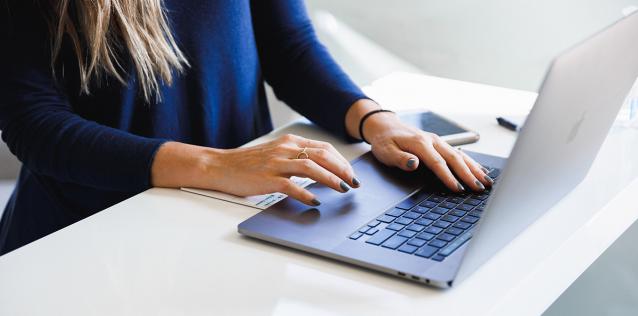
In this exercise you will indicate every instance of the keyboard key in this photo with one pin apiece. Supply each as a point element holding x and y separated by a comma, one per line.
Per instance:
<point>396,212</point>
<point>432,216</point>
<point>439,210</point>
<point>420,209</point>
<point>373,223</point>
<point>454,231</point>
<point>425,236</point>
<point>428,204</point>
<point>462,225</point>
<point>411,201</point>
<point>417,242</point>
<point>433,230</point>
<point>364,229</point>
<point>482,197</point>
<point>407,233</point>
<point>480,208</point>
<point>395,226</point>
<point>450,218</point>
<point>449,205</point>
<point>438,257</point>
<point>446,237</point>
<point>415,227</point>
<point>437,243</point>
<point>474,202</point>
<point>372,231</point>
<point>385,218</point>
<point>458,213</point>
<point>436,199</point>
<point>412,215</point>
<point>394,242</point>
<point>494,173</point>
<point>407,248</point>
<point>403,221</point>
<point>449,249</point>
<point>423,221</point>
<point>465,207</point>
<point>442,224</point>
<point>470,219</point>
<point>455,199</point>
<point>475,213</point>
<point>380,237</point>
<point>426,251</point>
<point>356,235</point>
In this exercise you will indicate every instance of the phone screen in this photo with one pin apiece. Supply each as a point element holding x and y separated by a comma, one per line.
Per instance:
<point>433,123</point>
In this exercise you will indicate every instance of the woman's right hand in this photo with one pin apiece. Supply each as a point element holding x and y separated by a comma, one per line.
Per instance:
<point>261,169</point>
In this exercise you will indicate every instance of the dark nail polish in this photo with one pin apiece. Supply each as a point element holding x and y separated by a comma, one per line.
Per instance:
<point>488,179</point>
<point>485,170</point>
<point>315,202</point>
<point>344,186</point>
<point>479,185</point>
<point>356,182</point>
<point>460,186</point>
<point>411,163</point>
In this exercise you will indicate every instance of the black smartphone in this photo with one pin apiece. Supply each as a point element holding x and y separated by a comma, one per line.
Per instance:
<point>450,131</point>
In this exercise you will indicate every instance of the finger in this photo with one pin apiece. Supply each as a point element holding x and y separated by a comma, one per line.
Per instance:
<point>456,162</point>
<point>392,155</point>
<point>310,169</point>
<point>479,171</point>
<point>333,164</point>
<point>286,186</point>
<point>433,160</point>
<point>351,177</point>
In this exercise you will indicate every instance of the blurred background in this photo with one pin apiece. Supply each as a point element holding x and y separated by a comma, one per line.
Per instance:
<point>506,43</point>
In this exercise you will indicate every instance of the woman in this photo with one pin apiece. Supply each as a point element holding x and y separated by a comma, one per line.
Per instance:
<point>101,100</point>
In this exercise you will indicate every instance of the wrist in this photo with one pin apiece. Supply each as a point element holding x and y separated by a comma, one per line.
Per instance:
<point>373,124</point>
<point>356,112</point>
<point>377,124</point>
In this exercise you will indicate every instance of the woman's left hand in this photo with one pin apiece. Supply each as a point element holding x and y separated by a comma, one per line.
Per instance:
<point>398,144</point>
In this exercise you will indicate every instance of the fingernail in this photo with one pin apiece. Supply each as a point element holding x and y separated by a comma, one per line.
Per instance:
<point>344,186</point>
<point>479,184</point>
<point>411,163</point>
<point>485,170</point>
<point>315,202</point>
<point>356,181</point>
<point>460,186</point>
<point>488,179</point>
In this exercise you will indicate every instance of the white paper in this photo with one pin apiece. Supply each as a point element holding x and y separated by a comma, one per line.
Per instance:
<point>261,202</point>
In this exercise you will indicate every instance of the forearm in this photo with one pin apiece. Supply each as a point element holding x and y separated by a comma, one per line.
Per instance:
<point>179,165</point>
<point>299,68</point>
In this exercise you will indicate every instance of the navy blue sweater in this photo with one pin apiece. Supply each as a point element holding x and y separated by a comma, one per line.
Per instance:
<point>82,153</point>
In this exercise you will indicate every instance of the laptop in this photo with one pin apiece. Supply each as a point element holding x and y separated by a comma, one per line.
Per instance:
<point>408,225</point>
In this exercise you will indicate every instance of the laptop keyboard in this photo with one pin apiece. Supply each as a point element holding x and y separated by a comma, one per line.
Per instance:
<point>426,224</point>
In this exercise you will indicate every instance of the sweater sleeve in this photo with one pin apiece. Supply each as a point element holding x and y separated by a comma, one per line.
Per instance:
<point>40,127</point>
<point>299,68</point>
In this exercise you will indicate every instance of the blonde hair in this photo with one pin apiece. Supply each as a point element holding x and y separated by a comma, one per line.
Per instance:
<point>103,27</point>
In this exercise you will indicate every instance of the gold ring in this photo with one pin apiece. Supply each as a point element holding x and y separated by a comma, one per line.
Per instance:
<point>303,153</point>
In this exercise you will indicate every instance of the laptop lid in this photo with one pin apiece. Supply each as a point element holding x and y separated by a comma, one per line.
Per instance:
<point>577,104</point>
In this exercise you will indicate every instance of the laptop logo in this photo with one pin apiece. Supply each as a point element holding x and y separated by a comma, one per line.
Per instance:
<point>575,128</point>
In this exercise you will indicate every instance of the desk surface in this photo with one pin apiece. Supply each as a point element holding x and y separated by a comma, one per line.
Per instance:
<point>167,252</point>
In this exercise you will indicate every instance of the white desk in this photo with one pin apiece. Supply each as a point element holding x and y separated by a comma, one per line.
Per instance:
<point>167,252</point>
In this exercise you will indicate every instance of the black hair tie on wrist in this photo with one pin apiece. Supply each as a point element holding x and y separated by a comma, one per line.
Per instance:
<point>365,117</point>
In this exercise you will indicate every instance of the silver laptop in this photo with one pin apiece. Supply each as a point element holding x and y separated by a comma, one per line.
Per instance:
<point>408,225</point>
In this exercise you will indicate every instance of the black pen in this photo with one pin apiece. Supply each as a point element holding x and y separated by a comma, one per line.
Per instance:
<point>507,124</point>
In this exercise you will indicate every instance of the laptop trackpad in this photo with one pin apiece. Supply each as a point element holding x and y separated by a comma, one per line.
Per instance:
<point>340,214</point>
